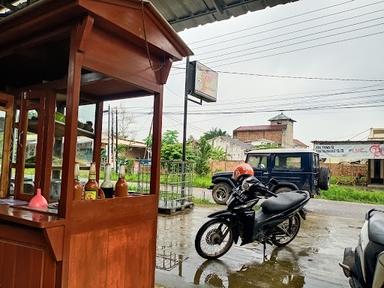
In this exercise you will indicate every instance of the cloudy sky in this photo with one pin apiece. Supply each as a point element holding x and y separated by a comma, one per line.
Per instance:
<point>295,39</point>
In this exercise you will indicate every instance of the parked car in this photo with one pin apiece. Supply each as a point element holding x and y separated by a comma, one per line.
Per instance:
<point>294,169</point>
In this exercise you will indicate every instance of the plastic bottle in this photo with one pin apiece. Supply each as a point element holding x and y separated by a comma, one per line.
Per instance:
<point>121,188</point>
<point>107,185</point>
<point>78,189</point>
<point>92,187</point>
<point>38,201</point>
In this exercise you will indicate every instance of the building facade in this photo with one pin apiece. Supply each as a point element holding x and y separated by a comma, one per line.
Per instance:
<point>279,131</point>
<point>233,148</point>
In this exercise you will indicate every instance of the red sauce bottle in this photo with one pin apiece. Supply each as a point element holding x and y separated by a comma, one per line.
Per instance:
<point>121,188</point>
<point>78,189</point>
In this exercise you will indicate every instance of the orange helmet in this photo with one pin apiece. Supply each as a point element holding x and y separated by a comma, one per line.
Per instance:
<point>243,169</point>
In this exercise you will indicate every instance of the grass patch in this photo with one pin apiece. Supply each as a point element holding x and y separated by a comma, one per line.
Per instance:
<point>353,194</point>
<point>349,180</point>
<point>202,202</point>
<point>202,181</point>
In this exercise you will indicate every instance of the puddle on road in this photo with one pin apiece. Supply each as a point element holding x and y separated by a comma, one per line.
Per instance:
<point>281,270</point>
<point>311,260</point>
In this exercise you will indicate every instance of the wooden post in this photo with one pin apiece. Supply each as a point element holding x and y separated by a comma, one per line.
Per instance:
<point>97,142</point>
<point>48,142</point>
<point>156,142</point>
<point>70,138</point>
<point>76,58</point>
<point>155,167</point>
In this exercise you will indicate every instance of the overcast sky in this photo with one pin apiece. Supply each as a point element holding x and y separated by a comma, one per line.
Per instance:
<point>361,58</point>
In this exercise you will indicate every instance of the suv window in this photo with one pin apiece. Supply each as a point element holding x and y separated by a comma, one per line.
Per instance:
<point>288,162</point>
<point>316,161</point>
<point>258,161</point>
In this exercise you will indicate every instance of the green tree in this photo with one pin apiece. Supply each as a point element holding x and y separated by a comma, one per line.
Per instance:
<point>203,155</point>
<point>218,154</point>
<point>170,137</point>
<point>213,133</point>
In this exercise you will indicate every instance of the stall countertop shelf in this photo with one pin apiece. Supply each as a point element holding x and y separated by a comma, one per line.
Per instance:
<point>29,218</point>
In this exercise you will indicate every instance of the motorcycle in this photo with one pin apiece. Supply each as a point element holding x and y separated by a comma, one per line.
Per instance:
<point>276,223</point>
<point>364,266</point>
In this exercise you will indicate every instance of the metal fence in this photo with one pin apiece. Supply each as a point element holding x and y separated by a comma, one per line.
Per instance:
<point>175,183</point>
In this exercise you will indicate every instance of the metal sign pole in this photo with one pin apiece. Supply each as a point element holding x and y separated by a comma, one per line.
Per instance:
<point>186,92</point>
<point>184,152</point>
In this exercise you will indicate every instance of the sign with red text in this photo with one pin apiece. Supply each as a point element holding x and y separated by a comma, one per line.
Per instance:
<point>350,151</point>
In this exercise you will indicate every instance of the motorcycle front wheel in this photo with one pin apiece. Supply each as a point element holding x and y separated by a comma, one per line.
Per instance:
<point>214,239</point>
<point>286,231</point>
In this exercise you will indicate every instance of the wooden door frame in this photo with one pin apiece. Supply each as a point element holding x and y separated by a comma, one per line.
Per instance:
<point>8,107</point>
<point>25,106</point>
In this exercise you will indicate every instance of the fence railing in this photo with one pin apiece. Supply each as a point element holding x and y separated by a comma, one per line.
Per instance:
<point>176,179</point>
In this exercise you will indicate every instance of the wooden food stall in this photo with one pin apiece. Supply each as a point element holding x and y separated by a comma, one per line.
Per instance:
<point>55,57</point>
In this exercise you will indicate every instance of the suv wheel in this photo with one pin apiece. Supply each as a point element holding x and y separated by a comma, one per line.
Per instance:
<point>220,193</point>
<point>324,178</point>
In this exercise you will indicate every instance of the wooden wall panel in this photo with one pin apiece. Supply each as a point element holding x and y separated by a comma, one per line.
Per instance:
<point>7,264</point>
<point>87,265</point>
<point>128,16</point>
<point>113,258</point>
<point>27,262</point>
<point>120,59</point>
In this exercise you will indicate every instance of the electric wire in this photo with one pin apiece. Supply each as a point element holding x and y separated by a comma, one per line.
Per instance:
<point>301,49</point>
<point>309,95</point>
<point>288,33</point>
<point>272,108</point>
<point>294,38</point>
<point>281,27</point>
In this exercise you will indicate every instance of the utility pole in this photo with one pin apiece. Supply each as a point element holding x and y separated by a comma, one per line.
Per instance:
<point>112,136</point>
<point>117,137</point>
<point>109,134</point>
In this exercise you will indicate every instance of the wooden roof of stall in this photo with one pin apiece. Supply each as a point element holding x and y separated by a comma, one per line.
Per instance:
<point>181,14</point>
<point>34,44</point>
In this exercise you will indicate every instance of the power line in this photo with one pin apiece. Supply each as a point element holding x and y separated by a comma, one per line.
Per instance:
<point>309,108</point>
<point>281,109</point>
<point>301,49</point>
<point>279,27</point>
<point>293,77</point>
<point>275,21</point>
<point>292,44</point>
<point>299,103</point>
<point>288,33</point>
<point>278,97</point>
<point>300,77</point>
<point>297,37</point>
<point>359,134</point>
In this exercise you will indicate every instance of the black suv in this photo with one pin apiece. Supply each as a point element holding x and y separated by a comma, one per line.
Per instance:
<point>294,169</point>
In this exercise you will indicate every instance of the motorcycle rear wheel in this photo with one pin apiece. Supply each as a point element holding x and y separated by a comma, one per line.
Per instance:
<point>286,231</point>
<point>214,239</point>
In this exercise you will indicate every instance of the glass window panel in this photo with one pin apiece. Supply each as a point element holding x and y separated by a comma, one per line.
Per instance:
<point>288,162</point>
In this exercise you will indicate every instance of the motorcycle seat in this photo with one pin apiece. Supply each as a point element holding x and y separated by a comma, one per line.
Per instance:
<point>376,228</point>
<point>282,202</point>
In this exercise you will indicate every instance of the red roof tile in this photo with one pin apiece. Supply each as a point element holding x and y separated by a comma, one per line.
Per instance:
<point>261,128</point>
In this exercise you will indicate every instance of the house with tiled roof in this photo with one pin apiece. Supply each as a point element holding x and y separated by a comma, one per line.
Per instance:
<point>279,131</point>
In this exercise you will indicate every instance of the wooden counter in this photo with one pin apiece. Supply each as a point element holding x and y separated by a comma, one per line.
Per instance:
<point>111,235</point>
<point>31,246</point>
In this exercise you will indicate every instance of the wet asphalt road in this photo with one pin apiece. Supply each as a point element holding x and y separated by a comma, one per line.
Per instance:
<point>311,260</point>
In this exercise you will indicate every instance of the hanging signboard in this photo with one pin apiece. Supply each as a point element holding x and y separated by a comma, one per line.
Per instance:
<point>203,82</point>
<point>358,151</point>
